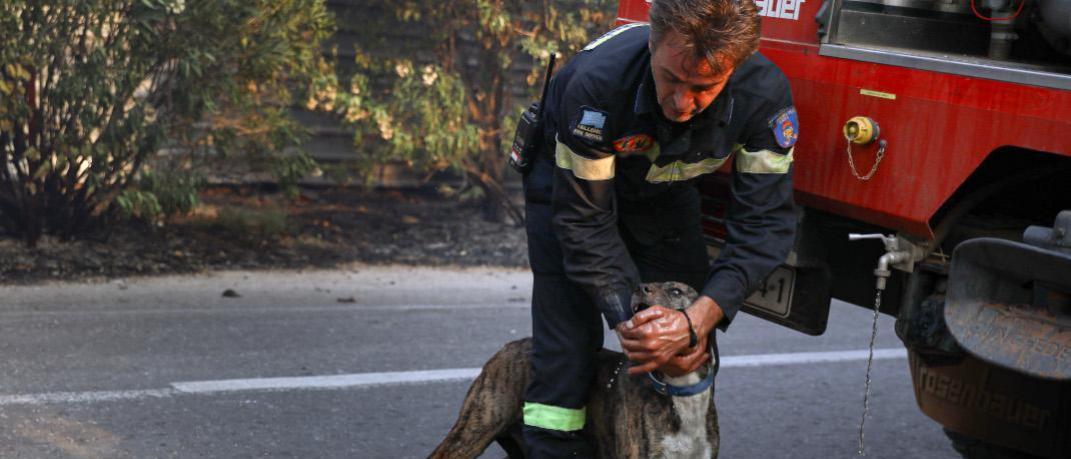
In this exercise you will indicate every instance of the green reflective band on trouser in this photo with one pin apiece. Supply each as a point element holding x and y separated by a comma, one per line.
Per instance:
<point>763,161</point>
<point>678,171</point>
<point>553,417</point>
<point>583,168</point>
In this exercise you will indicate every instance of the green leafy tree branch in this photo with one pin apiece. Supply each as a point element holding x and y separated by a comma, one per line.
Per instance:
<point>92,90</point>
<point>448,99</point>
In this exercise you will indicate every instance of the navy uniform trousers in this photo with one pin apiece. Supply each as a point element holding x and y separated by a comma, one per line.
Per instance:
<point>665,242</point>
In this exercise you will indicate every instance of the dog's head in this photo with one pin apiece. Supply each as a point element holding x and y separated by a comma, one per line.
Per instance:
<point>675,295</point>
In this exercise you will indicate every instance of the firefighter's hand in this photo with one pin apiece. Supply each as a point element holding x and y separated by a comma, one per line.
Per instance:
<point>690,361</point>
<point>653,337</point>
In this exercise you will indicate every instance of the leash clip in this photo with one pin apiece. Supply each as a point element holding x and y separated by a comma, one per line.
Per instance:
<point>658,386</point>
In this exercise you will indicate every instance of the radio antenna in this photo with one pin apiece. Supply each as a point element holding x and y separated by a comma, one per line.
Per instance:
<point>546,82</point>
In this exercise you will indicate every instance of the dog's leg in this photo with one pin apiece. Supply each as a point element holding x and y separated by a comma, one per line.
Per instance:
<point>713,433</point>
<point>492,405</point>
<point>512,441</point>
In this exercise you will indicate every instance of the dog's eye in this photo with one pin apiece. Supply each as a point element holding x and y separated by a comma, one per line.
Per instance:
<point>676,291</point>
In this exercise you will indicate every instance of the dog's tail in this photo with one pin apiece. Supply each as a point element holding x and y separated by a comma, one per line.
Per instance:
<point>492,405</point>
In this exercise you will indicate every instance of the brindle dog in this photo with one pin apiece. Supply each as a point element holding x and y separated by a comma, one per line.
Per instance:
<point>625,416</point>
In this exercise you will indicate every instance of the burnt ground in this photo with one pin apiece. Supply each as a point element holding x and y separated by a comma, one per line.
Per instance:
<point>246,228</point>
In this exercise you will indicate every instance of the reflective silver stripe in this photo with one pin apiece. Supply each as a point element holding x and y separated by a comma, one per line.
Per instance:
<point>612,34</point>
<point>763,161</point>
<point>584,168</point>
<point>678,171</point>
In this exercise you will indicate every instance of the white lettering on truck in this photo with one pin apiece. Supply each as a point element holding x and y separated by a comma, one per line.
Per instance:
<point>784,9</point>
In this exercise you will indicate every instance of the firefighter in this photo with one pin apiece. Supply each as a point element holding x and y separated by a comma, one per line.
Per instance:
<point>630,125</point>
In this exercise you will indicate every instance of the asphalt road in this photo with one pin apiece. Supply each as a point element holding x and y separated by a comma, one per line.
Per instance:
<point>373,363</point>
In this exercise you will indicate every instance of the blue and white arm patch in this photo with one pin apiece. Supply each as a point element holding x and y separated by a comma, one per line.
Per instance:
<point>785,125</point>
<point>589,124</point>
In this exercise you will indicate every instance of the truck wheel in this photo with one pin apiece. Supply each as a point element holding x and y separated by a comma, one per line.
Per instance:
<point>973,448</point>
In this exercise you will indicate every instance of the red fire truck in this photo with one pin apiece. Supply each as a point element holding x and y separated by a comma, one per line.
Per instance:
<point>942,129</point>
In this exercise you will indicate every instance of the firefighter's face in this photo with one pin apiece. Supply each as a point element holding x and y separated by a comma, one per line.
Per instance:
<point>685,85</point>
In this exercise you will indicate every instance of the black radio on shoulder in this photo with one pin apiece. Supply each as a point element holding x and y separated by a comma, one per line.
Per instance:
<point>528,138</point>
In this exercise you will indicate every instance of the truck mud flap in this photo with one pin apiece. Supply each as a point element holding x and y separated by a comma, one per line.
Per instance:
<point>1009,304</point>
<point>996,405</point>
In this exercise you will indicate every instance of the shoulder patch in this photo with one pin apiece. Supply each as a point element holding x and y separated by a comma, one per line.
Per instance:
<point>633,143</point>
<point>590,124</point>
<point>786,127</point>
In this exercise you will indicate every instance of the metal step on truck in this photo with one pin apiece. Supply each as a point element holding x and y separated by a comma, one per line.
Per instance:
<point>933,172</point>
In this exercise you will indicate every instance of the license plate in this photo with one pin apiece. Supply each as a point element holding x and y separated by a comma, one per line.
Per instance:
<point>774,294</point>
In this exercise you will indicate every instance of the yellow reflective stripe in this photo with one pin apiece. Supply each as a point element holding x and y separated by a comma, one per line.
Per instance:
<point>584,168</point>
<point>678,170</point>
<point>554,417</point>
<point>763,162</point>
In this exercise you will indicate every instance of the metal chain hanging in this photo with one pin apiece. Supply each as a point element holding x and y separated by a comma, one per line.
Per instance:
<point>869,364</point>
<point>874,168</point>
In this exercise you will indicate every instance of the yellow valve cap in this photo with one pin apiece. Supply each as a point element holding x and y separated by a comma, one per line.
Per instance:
<point>861,130</point>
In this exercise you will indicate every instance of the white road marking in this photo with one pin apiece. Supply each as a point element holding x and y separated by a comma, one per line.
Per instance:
<point>82,397</point>
<point>797,358</point>
<point>327,382</point>
<point>359,380</point>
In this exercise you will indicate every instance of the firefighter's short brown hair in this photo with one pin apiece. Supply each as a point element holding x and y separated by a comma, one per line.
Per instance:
<point>718,31</point>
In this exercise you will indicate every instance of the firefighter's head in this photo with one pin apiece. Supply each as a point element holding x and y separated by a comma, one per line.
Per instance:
<point>695,45</point>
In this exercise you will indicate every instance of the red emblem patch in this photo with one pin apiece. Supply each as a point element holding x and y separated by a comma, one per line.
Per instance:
<point>788,131</point>
<point>633,143</point>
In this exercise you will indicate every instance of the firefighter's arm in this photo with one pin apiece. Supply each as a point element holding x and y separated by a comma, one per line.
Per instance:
<point>761,220</point>
<point>585,217</point>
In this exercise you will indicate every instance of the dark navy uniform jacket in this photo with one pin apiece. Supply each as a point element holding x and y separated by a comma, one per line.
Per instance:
<point>619,161</point>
